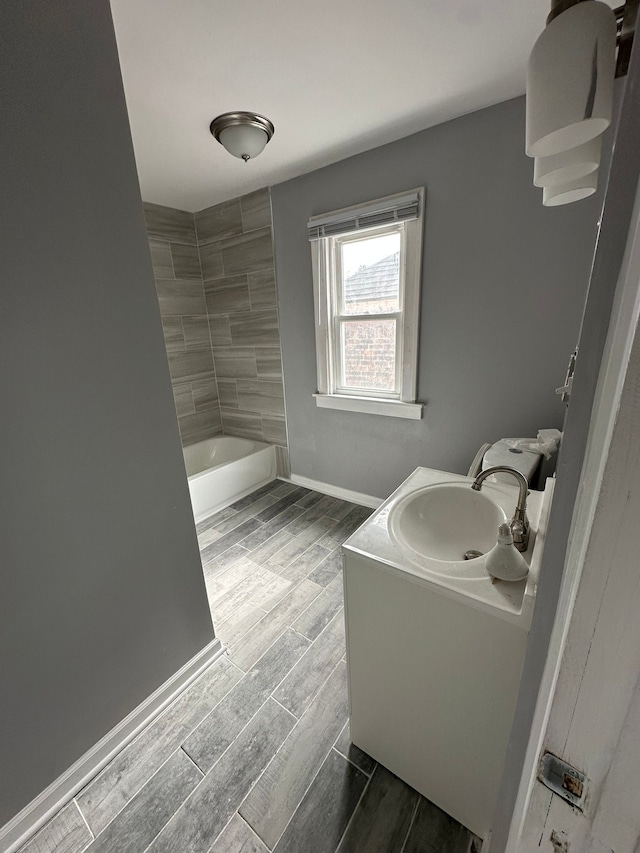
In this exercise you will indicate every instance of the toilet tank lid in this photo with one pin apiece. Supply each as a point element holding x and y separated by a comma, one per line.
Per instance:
<point>500,453</point>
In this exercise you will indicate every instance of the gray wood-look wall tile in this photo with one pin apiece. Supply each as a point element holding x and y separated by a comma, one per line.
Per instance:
<point>199,425</point>
<point>382,819</point>
<point>247,651</point>
<point>274,428</point>
<point>143,818</point>
<point>180,296</point>
<point>238,837</point>
<point>207,811</point>
<point>322,817</point>
<point>205,394</point>
<point>227,295</point>
<point>168,223</point>
<point>248,252</point>
<point>242,424</point>
<point>228,393</point>
<point>353,752</point>
<point>66,832</point>
<point>268,363</point>
<point>186,261</point>
<point>433,830</point>
<point>322,610</point>
<point>283,466</point>
<point>235,362</point>
<point>262,289</point>
<point>306,678</point>
<point>280,789</point>
<point>173,333</point>
<point>255,395</point>
<point>217,731</point>
<point>190,365</point>
<point>220,330</point>
<point>255,328</point>
<point>161,258</point>
<point>211,261</point>
<point>123,777</point>
<point>256,210</point>
<point>196,331</point>
<point>221,220</point>
<point>183,399</point>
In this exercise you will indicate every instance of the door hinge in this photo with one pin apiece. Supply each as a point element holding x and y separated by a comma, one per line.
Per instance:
<point>565,390</point>
<point>563,779</point>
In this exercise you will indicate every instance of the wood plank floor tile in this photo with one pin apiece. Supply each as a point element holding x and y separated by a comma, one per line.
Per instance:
<point>264,552</point>
<point>303,565</point>
<point>326,572</point>
<point>207,522</point>
<point>238,837</point>
<point>321,610</point>
<point>280,505</point>
<point>284,489</point>
<point>206,812</point>
<point>302,541</point>
<point>243,503</point>
<point>219,565</point>
<point>123,777</point>
<point>434,831</point>
<point>144,817</point>
<point>207,537</point>
<point>250,648</point>
<point>337,535</point>
<point>354,753</point>
<point>309,499</point>
<point>228,581</point>
<point>322,817</point>
<point>280,789</point>
<point>264,533</point>
<point>66,832</point>
<point>263,585</point>
<point>242,515</point>
<point>239,624</point>
<point>208,742</point>
<point>307,677</point>
<point>382,819</point>
<point>232,538</point>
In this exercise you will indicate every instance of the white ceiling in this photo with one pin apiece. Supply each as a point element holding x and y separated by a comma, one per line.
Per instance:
<point>336,78</point>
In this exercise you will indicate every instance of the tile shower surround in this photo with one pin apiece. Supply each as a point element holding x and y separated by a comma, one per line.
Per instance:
<point>215,281</point>
<point>256,755</point>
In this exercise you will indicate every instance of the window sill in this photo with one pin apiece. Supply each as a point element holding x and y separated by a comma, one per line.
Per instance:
<point>370,406</point>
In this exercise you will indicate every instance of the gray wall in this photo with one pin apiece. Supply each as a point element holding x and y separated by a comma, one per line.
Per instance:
<point>504,283</point>
<point>101,591</point>
<point>612,238</point>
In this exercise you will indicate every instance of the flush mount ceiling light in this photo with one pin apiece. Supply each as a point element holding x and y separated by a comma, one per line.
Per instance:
<point>570,93</point>
<point>243,134</point>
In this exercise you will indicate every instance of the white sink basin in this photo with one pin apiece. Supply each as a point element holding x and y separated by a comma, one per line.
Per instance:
<point>442,521</point>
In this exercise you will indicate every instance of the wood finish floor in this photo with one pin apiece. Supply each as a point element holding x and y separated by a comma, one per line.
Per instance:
<point>255,756</point>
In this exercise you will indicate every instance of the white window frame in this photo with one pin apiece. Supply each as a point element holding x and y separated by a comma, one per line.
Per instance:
<point>325,253</point>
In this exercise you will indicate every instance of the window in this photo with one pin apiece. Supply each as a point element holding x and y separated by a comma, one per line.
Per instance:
<point>366,273</point>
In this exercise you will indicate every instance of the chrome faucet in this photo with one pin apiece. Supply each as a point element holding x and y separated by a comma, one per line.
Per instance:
<point>518,524</point>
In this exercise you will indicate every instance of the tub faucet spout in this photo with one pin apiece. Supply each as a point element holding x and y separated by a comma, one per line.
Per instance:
<point>519,524</point>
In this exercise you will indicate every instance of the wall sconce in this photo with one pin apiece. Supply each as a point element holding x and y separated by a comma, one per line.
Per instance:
<point>570,94</point>
<point>243,134</point>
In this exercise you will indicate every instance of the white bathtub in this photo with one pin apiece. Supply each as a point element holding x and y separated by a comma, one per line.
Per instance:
<point>222,470</point>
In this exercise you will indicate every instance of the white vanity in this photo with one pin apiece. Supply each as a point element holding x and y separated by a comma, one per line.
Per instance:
<point>434,646</point>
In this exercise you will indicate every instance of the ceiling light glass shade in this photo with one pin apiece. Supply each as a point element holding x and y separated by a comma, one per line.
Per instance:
<point>243,134</point>
<point>569,165</point>
<point>568,193</point>
<point>570,79</point>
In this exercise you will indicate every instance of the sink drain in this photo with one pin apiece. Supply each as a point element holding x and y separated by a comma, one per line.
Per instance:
<point>472,554</point>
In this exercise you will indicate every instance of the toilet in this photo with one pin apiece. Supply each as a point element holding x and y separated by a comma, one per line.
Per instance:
<point>528,462</point>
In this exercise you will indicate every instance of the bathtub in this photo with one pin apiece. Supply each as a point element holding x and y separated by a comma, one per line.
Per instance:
<point>222,470</point>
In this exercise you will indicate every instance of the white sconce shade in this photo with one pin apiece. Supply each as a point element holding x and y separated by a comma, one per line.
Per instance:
<point>569,165</point>
<point>570,79</point>
<point>242,134</point>
<point>570,192</point>
<point>244,142</point>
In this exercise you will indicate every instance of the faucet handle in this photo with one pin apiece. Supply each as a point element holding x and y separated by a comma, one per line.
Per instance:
<point>520,531</point>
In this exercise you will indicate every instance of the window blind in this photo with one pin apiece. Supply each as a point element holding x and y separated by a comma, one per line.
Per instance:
<point>385,211</point>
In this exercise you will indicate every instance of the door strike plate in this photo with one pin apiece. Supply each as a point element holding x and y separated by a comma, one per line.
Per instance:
<point>563,779</point>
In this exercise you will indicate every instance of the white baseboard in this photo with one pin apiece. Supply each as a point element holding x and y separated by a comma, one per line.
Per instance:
<point>336,491</point>
<point>33,816</point>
